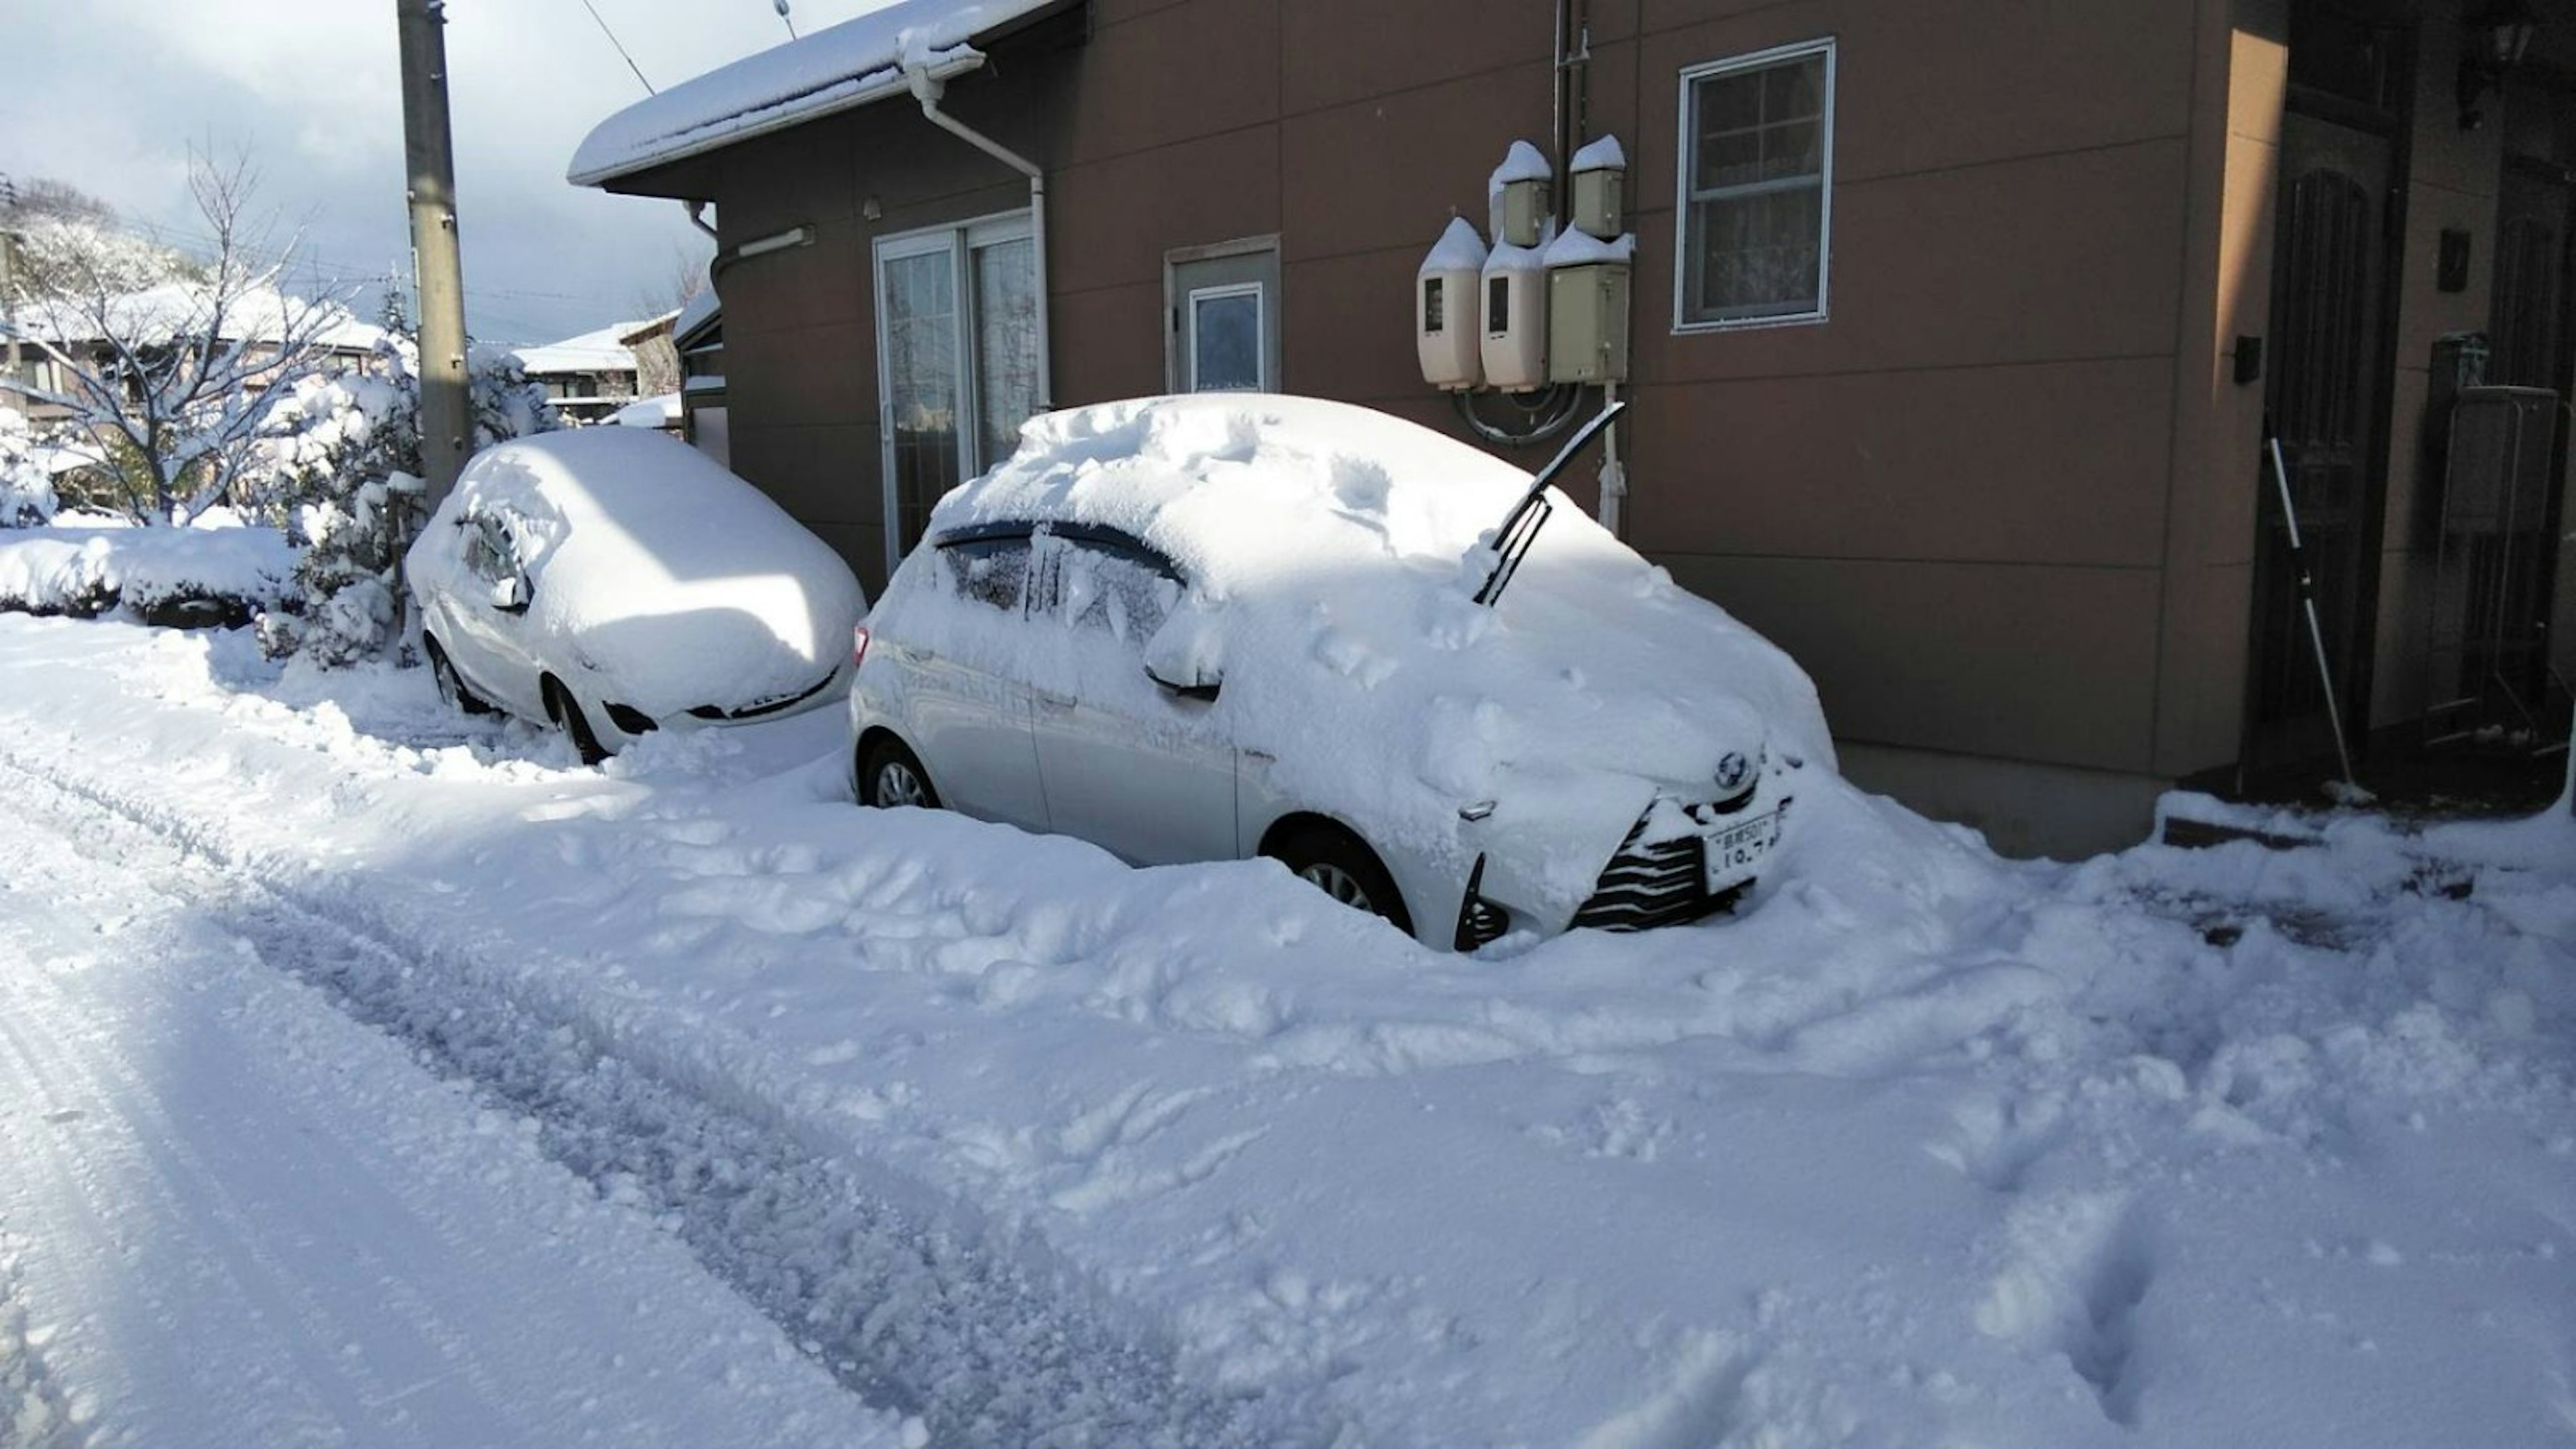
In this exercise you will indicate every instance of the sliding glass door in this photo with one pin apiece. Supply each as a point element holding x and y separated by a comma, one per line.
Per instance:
<point>957,348</point>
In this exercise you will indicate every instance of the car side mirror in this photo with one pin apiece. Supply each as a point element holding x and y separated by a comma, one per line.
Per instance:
<point>1203,686</point>
<point>510,595</point>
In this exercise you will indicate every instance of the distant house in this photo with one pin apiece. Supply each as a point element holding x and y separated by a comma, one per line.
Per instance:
<point>588,377</point>
<point>169,314</point>
<point>1951,328</point>
<point>657,362</point>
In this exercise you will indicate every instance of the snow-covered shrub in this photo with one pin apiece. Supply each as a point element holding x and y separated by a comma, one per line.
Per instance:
<point>342,466</point>
<point>26,488</point>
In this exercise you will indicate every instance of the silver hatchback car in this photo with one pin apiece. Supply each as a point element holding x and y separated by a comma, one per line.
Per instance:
<point>1224,627</point>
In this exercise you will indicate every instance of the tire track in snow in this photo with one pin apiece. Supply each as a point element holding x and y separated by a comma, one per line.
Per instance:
<point>917,1312</point>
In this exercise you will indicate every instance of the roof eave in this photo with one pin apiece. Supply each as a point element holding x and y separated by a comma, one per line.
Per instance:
<point>785,116</point>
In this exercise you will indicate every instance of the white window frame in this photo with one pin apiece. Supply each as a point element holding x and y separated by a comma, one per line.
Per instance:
<point>959,240</point>
<point>1260,329</point>
<point>1685,154</point>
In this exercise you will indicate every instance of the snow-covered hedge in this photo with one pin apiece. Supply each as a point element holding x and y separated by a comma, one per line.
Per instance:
<point>184,577</point>
<point>344,462</point>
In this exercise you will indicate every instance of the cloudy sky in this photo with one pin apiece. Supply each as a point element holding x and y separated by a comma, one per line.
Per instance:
<point>109,95</point>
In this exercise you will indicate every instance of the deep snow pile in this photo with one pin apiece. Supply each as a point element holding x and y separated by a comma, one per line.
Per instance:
<point>1332,556</point>
<point>2163,1148</point>
<point>153,573</point>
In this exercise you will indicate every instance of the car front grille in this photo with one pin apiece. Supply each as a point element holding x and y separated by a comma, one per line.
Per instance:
<point>1662,883</point>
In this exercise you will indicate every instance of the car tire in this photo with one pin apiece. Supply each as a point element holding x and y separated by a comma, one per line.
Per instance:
<point>890,775</point>
<point>451,685</point>
<point>1343,867</point>
<point>565,711</point>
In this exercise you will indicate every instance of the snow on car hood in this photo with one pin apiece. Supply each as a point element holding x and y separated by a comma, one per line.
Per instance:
<point>671,581</point>
<point>1333,553</point>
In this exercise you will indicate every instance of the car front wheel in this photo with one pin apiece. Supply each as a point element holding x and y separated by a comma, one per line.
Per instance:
<point>1336,862</point>
<point>566,712</point>
<point>890,775</point>
<point>451,685</point>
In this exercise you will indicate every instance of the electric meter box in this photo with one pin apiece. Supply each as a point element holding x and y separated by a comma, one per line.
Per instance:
<point>1513,311</point>
<point>1447,312</point>
<point>1600,178</point>
<point>1523,212</point>
<point>1518,195</point>
<point>1587,323</point>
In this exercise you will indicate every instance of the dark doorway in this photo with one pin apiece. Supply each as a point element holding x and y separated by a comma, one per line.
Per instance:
<point>2328,405</point>
<point>2327,394</point>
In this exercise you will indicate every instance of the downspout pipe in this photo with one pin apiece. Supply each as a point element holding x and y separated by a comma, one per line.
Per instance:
<point>697,211</point>
<point>928,89</point>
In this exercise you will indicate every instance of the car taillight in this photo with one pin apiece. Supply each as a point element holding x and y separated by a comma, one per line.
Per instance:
<point>858,646</point>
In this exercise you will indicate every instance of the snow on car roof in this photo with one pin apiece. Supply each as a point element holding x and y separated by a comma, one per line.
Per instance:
<point>854,63</point>
<point>1333,553</point>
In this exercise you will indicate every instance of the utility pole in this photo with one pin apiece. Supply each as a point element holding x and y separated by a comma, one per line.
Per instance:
<point>446,424</point>
<point>9,295</point>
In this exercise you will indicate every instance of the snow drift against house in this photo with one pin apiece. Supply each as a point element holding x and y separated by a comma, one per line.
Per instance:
<point>846,66</point>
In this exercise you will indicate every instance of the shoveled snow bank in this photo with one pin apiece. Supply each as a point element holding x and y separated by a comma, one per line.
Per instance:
<point>670,581</point>
<point>1332,555</point>
<point>163,575</point>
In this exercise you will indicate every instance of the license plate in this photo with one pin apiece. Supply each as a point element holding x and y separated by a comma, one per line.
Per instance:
<point>1739,848</point>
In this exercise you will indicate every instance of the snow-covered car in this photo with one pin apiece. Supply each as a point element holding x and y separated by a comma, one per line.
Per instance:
<point>1223,626</point>
<point>612,582</point>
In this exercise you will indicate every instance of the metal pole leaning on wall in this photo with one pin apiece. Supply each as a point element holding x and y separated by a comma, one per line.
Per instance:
<point>2308,603</point>
<point>446,423</point>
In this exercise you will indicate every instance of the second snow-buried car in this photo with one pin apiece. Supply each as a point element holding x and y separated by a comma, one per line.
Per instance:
<point>613,582</point>
<point>1224,626</point>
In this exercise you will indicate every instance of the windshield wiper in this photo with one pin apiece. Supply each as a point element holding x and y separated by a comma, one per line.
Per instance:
<point>1520,526</point>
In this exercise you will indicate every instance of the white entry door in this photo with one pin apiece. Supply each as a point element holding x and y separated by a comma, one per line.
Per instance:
<point>957,354</point>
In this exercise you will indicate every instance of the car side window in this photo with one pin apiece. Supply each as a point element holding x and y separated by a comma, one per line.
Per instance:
<point>488,549</point>
<point>991,571</point>
<point>1120,591</point>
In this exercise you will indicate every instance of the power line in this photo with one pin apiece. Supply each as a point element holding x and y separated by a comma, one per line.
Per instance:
<point>621,47</point>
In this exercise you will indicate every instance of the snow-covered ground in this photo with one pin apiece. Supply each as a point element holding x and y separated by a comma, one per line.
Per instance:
<point>368,1076</point>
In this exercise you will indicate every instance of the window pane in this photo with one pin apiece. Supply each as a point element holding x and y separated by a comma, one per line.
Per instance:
<point>1729,159</point>
<point>1731,102</point>
<point>1758,254</point>
<point>1794,91</point>
<point>1754,227</point>
<point>1796,149</point>
<point>1006,345</point>
<point>1113,591</point>
<point>1225,341</point>
<point>921,383</point>
<point>989,570</point>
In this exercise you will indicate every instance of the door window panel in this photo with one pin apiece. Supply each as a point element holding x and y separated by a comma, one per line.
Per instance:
<point>1225,339</point>
<point>1006,345</point>
<point>921,386</point>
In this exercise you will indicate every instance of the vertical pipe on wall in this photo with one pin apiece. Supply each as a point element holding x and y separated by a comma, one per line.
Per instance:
<point>927,89</point>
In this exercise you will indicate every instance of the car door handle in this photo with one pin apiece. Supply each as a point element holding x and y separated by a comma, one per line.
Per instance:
<point>1053,700</point>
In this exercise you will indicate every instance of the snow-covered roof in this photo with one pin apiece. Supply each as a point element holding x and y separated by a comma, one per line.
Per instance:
<point>596,351</point>
<point>659,411</point>
<point>700,309</point>
<point>256,314</point>
<point>851,64</point>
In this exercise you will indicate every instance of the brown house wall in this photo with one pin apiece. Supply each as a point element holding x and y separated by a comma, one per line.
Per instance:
<point>1993,504</point>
